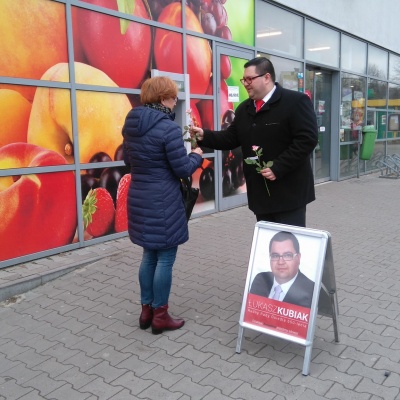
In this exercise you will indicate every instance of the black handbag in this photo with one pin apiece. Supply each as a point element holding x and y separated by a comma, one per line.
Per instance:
<point>190,195</point>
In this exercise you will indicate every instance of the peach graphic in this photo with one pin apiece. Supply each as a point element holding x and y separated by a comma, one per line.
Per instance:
<point>100,115</point>
<point>33,38</point>
<point>14,111</point>
<point>38,211</point>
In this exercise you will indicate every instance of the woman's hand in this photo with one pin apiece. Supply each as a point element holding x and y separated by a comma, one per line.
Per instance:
<point>198,151</point>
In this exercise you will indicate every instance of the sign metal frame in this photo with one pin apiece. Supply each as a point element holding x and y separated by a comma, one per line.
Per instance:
<point>273,318</point>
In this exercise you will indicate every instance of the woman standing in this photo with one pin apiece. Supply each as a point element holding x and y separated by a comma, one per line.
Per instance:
<point>155,152</point>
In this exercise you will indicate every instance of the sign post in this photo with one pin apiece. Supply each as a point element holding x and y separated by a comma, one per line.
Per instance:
<point>289,281</point>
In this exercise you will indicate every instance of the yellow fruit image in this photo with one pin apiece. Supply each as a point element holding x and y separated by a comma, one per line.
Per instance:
<point>14,111</point>
<point>100,115</point>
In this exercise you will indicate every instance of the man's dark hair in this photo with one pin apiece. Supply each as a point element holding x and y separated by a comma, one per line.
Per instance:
<point>282,236</point>
<point>263,66</point>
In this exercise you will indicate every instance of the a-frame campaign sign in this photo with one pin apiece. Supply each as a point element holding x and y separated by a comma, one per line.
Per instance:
<point>312,291</point>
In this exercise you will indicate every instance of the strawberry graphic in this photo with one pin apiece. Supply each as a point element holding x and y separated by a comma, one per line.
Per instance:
<point>98,212</point>
<point>121,214</point>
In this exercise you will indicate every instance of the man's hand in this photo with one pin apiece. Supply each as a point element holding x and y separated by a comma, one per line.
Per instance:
<point>196,131</point>
<point>268,174</point>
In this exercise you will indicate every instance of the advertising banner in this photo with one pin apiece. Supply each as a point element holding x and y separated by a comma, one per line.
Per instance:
<point>286,283</point>
<point>68,78</point>
<point>272,314</point>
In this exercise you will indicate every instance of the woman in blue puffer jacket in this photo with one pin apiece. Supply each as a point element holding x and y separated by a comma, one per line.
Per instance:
<point>154,150</point>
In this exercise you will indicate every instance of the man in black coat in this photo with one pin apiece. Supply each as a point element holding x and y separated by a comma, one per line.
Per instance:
<point>285,129</point>
<point>285,282</point>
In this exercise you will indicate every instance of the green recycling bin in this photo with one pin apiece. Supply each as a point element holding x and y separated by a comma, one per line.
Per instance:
<point>369,133</point>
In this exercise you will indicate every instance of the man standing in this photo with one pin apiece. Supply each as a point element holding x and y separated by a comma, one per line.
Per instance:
<point>281,123</point>
<point>285,282</point>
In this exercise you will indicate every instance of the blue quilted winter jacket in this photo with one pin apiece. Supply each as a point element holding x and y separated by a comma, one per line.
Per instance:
<point>154,150</point>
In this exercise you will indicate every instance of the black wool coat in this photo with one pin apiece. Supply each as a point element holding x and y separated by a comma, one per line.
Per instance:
<point>286,129</point>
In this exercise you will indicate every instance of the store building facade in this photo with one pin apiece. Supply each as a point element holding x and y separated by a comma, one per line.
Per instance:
<point>71,70</point>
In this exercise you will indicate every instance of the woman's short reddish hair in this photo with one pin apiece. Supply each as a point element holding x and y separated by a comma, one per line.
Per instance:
<point>158,88</point>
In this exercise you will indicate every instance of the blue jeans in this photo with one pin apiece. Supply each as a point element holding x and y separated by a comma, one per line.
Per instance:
<point>155,276</point>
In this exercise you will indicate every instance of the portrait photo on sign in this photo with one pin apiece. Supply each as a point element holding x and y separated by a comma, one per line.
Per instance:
<point>283,276</point>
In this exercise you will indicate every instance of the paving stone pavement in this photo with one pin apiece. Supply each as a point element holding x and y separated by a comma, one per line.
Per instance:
<point>75,335</point>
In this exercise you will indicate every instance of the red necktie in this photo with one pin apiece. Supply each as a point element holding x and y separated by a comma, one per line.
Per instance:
<point>259,104</point>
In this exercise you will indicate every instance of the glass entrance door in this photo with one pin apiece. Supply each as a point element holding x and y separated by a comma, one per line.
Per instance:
<point>319,89</point>
<point>230,93</point>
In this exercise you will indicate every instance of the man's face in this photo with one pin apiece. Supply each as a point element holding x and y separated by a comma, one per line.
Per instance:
<point>257,89</point>
<point>283,270</point>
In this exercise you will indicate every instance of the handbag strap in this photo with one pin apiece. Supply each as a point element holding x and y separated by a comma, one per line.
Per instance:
<point>187,182</point>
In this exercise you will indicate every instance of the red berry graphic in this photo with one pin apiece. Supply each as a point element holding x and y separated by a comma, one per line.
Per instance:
<point>98,212</point>
<point>121,213</point>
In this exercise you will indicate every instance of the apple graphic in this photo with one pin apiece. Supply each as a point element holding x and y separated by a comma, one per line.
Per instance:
<point>33,38</point>
<point>100,115</point>
<point>14,111</point>
<point>206,109</point>
<point>79,54</point>
<point>38,211</point>
<point>118,47</point>
<point>199,56</point>
<point>196,119</point>
<point>226,66</point>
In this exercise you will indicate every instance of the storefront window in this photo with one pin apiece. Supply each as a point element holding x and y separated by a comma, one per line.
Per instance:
<point>289,73</point>
<point>348,160</point>
<point>141,8</point>
<point>240,15</point>
<point>377,62</point>
<point>381,118</point>
<point>170,12</point>
<point>322,44</point>
<point>378,119</point>
<point>199,72</point>
<point>33,39</point>
<point>378,154</point>
<point>353,54</point>
<point>165,44</point>
<point>279,30</point>
<point>120,49</point>
<point>15,111</point>
<point>204,179</point>
<point>393,146</point>
<point>393,125</point>
<point>394,68</point>
<point>377,94</point>
<point>50,120</point>
<point>70,72</point>
<point>38,210</point>
<point>100,118</point>
<point>203,111</point>
<point>394,96</point>
<point>352,107</point>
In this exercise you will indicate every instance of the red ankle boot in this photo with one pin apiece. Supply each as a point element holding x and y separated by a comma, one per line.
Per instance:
<point>146,316</point>
<point>162,321</point>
